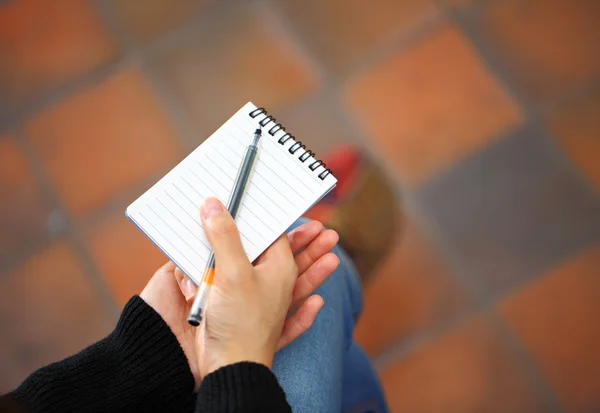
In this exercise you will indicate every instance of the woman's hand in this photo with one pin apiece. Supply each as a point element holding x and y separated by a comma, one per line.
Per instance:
<point>248,304</point>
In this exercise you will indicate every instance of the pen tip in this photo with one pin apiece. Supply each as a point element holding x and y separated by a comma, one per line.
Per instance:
<point>195,317</point>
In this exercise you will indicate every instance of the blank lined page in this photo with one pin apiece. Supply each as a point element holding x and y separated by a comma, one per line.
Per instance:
<point>282,187</point>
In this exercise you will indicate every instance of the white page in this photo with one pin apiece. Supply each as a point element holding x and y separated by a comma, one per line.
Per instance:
<point>281,189</point>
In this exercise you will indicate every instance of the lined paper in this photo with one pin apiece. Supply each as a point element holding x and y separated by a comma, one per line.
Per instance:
<point>281,189</point>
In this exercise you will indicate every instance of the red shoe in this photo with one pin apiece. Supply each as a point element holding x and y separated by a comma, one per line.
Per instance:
<point>362,208</point>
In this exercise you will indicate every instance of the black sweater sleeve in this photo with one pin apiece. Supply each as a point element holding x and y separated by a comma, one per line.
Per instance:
<point>242,387</point>
<point>140,367</point>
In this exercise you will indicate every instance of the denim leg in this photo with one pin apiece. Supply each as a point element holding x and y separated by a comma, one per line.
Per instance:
<point>313,369</point>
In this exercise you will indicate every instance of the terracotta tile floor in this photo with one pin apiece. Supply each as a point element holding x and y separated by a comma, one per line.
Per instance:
<point>484,112</point>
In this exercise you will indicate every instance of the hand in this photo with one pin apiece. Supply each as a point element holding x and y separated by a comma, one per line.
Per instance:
<point>313,259</point>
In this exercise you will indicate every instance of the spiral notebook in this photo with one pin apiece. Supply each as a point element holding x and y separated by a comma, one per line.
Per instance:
<point>286,181</point>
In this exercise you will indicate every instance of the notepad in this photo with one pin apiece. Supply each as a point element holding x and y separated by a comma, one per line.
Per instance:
<point>286,181</point>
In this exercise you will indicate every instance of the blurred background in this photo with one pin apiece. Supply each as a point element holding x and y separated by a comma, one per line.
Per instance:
<point>485,114</point>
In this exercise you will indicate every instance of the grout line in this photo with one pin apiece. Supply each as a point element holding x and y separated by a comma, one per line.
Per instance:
<point>60,225</point>
<point>173,109</point>
<point>526,362</point>
<point>166,98</point>
<point>398,44</point>
<point>13,120</point>
<point>115,25</point>
<point>286,26</point>
<point>404,347</point>
<point>106,10</point>
<point>466,22</point>
<point>65,226</point>
<point>119,202</point>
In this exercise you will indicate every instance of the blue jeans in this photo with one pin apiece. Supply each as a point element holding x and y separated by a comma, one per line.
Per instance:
<point>325,371</point>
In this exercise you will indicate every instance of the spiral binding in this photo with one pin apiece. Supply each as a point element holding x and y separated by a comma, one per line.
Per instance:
<point>296,146</point>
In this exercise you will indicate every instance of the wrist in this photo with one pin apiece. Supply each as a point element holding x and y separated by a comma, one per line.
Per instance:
<point>232,356</point>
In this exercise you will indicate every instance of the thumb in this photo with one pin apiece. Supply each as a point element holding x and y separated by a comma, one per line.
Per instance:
<point>223,235</point>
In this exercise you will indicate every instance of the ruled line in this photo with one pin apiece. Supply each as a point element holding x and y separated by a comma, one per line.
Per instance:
<point>254,186</point>
<point>283,150</point>
<point>169,254</point>
<point>200,223</point>
<point>240,217</point>
<point>281,165</point>
<point>175,232</point>
<point>255,171</point>
<point>312,174</point>
<point>181,222</point>
<point>258,203</point>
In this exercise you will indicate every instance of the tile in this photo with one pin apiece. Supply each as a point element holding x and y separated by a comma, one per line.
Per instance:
<point>318,124</point>
<point>466,370</point>
<point>45,44</point>
<point>23,210</point>
<point>430,106</point>
<point>102,141</point>
<point>575,125</point>
<point>511,211</point>
<point>126,258</point>
<point>341,32</point>
<point>248,59</point>
<point>556,318</point>
<point>411,292</point>
<point>48,311</point>
<point>546,46</point>
<point>153,18</point>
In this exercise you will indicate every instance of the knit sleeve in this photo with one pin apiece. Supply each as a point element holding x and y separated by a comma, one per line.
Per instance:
<point>140,366</point>
<point>242,387</point>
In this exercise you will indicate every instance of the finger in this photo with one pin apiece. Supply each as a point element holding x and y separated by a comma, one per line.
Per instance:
<point>300,322</point>
<point>223,235</point>
<point>161,283</point>
<point>316,249</point>
<point>277,252</point>
<point>312,278</point>
<point>168,266</point>
<point>302,235</point>
<point>186,285</point>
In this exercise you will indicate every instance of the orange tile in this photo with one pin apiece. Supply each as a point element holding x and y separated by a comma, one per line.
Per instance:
<point>467,370</point>
<point>431,106</point>
<point>547,46</point>
<point>247,59</point>
<point>45,43</point>
<point>413,290</point>
<point>342,31</point>
<point>103,141</point>
<point>575,125</point>
<point>23,210</point>
<point>556,317</point>
<point>48,311</point>
<point>153,18</point>
<point>126,258</point>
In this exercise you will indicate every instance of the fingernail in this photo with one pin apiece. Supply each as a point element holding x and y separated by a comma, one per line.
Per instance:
<point>293,234</point>
<point>210,207</point>
<point>189,288</point>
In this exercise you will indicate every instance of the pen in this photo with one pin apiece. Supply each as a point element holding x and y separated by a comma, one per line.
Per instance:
<point>233,206</point>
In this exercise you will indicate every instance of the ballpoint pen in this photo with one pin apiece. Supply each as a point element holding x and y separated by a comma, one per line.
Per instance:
<point>233,206</point>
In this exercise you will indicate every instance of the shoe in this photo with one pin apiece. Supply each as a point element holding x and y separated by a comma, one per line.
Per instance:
<point>363,209</point>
